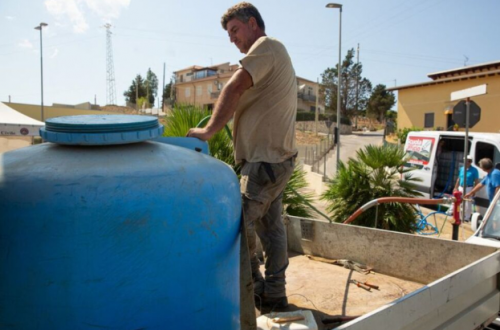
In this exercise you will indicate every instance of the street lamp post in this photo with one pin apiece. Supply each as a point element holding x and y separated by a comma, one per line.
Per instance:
<point>39,27</point>
<point>339,6</point>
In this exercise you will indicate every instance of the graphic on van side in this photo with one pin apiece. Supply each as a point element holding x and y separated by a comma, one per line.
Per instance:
<point>419,150</point>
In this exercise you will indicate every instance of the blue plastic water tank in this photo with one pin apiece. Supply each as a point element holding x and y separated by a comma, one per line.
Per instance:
<point>107,230</point>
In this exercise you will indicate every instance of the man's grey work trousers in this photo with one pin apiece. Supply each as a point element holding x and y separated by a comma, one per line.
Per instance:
<point>262,186</point>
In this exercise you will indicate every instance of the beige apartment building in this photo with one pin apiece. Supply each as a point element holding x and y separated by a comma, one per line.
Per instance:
<point>201,86</point>
<point>427,105</point>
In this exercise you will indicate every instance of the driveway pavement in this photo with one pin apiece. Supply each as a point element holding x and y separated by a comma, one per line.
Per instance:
<point>349,145</point>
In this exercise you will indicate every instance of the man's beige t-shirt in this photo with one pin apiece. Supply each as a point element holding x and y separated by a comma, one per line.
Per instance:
<point>264,121</point>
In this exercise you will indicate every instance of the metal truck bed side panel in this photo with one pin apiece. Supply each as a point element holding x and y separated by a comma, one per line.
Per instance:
<point>410,257</point>
<point>462,300</point>
<point>462,281</point>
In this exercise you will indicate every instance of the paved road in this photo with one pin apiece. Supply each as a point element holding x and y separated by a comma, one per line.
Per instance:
<point>349,145</point>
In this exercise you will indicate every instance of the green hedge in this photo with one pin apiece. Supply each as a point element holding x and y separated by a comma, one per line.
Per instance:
<point>310,116</point>
<point>402,134</point>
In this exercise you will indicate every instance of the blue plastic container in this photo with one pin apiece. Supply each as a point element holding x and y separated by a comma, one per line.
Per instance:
<point>117,235</point>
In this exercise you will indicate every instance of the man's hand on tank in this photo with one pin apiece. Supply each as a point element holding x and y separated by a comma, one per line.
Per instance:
<point>200,133</point>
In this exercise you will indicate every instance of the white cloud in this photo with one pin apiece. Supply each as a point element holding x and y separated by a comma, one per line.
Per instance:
<point>70,10</point>
<point>74,10</point>
<point>10,18</point>
<point>54,53</point>
<point>25,44</point>
<point>107,9</point>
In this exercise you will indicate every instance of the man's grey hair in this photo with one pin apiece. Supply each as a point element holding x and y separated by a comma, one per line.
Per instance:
<point>486,164</point>
<point>242,11</point>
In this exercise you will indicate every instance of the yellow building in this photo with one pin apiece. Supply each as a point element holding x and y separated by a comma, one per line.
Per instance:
<point>427,105</point>
<point>201,86</point>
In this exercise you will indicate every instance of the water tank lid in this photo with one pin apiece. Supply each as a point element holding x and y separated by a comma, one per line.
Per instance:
<point>100,129</point>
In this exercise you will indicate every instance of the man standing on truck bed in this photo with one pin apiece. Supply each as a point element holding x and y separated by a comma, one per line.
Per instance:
<point>491,180</point>
<point>262,95</point>
<point>471,175</point>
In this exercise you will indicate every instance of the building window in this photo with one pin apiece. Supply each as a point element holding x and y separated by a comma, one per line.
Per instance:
<point>209,89</point>
<point>429,120</point>
<point>313,108</point>
<point>199,90</point>
<point>204,74</point>
<point>187,92</point>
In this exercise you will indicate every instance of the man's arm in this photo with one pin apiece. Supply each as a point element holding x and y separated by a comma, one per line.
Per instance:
<point>474,190</point>
<point>226,105</point>
<point>496,180</point>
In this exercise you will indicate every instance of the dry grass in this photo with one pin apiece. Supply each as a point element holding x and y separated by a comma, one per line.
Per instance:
<point>306,138</point>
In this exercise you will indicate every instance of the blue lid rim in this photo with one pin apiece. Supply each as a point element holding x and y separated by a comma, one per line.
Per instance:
<point>95,130</point>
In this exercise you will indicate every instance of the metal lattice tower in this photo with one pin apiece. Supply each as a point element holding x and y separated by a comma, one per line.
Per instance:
<point>110,69</point>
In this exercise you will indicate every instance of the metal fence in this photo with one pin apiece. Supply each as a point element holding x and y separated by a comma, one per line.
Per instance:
<point>315,155</point>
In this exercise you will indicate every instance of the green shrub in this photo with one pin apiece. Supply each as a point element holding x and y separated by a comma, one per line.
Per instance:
<point>402,134</point>
<point>376,172</point>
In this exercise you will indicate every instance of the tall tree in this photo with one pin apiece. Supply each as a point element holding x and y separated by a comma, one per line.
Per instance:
<point>151,85</point>
<point>169,91</point>
<point>380,102</point>
<point>137,87</point>
<point>352,83</point>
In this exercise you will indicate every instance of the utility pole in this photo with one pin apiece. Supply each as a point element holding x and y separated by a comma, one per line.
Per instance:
<point>317,111</point>
<point>162,91</point>
<point>39,28</point>
<point>137,93</point>
<point>357,87</point>
<point>110,69</point>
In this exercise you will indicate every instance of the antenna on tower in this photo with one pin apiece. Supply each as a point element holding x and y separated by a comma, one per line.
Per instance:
<point>110,69</point>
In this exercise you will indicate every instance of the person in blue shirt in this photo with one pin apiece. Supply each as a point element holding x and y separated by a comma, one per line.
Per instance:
<point>472,178</point>
<point>491,180</point>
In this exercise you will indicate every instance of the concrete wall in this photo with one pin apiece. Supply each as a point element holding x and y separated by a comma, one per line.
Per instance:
<point>411,257</point>
<point>315,180</point>
<point>414,102</point>
<point>309,126</point>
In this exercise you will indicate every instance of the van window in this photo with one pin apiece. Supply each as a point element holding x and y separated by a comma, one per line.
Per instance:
<point>487,150</point>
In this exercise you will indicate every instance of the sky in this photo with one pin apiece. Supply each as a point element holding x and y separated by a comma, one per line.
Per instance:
<point>400,41</point>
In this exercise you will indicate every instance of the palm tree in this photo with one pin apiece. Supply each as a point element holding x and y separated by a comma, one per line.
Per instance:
<point>184,117</point>
<point>376,172</point>
<point>295,203</point>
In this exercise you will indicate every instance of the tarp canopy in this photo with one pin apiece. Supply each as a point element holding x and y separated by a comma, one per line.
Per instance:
<point>15,123</point>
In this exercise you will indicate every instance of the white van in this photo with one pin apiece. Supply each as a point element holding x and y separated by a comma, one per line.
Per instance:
<point>439,173</point>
